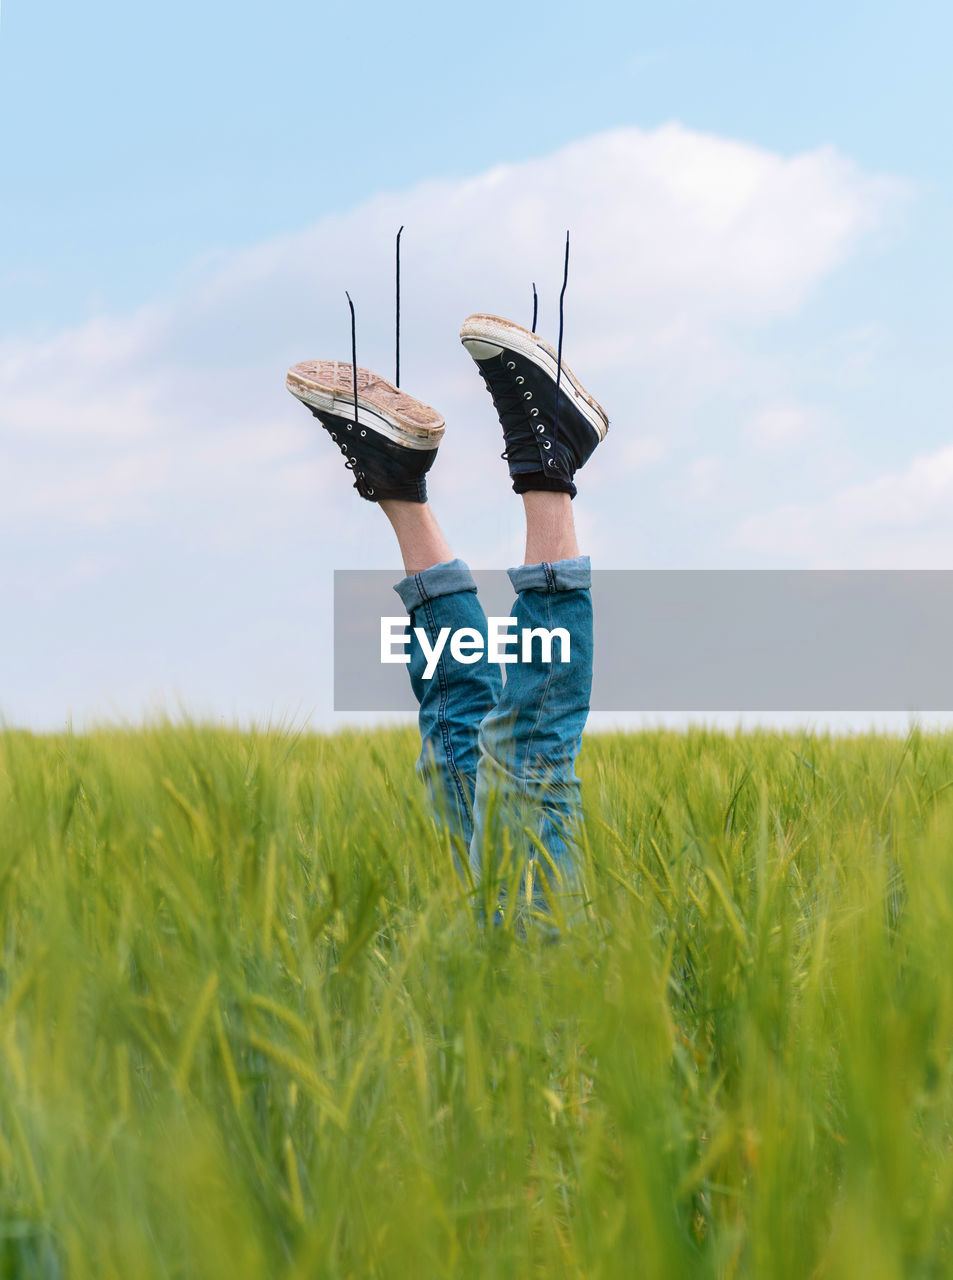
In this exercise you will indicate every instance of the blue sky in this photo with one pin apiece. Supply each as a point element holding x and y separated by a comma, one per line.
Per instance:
<point>157,159</point>
<point>137,138</point>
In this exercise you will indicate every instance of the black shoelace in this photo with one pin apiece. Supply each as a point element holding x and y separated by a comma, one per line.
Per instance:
<point>396,330</point>
<point>353,353</point>
<point>559,347</point>
<point>351,463</point>
<point>511,408</point>
<point>559,352</point>
<point>397,315</point>
<point>351,458</point>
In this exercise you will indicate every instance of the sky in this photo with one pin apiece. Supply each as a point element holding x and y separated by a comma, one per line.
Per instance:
<point>760,200</point>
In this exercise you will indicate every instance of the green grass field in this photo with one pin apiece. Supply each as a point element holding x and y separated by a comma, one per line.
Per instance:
<point>248,1027</point>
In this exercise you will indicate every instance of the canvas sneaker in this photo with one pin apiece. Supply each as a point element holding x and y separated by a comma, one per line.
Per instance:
<point>543,448</point>
<point>393,442</point>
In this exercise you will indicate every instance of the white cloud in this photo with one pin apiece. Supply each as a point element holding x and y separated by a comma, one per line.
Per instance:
<point>642,450</point>
<point>781,426</point>
<point>175,419</point>
<point>901,519</point>
<point>671,229</point>
<point>703,476</point>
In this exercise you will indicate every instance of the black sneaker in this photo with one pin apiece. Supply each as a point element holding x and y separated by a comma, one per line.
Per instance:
<point>392,445</point>
<point>519,369</point>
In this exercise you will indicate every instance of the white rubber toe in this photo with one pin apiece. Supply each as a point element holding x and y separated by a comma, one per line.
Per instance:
<point>492,334</point>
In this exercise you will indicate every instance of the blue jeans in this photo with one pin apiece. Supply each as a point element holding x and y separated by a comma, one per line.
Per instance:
<point>498,760</point>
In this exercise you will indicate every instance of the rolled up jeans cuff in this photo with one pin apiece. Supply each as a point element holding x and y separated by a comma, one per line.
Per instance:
<point>560,575</point>
<point>443,579</point>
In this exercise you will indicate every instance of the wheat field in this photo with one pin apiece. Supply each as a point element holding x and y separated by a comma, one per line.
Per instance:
<point>251,1027</point>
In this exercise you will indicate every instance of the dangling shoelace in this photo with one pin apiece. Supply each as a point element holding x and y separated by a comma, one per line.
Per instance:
<point>353,352</point>
<point>351,463</point>
<point>396,329</point>
<point>559,347</point>
<point>397,314</point>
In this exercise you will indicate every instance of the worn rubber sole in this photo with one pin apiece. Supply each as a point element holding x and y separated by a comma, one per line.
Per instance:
<point>485,336</point>
<point>328,385</point>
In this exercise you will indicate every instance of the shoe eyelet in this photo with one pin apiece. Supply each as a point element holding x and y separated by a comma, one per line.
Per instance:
<point>540,427</point>
<point>527,395</point>
<point>547,444</point>
<point>511,364</point>
<point>552,462</point>
<point>363,432</point>
<point>350,426</point>
<point>370,493</point>
<point>520,380</point>
<point>334,437</point>
<point>534,413</point>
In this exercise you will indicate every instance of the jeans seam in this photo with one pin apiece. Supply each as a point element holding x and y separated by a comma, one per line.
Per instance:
<point>442,716</point>
<point>542,696</point>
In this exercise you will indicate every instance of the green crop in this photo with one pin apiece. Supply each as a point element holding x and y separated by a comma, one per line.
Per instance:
<point>249,1026</point>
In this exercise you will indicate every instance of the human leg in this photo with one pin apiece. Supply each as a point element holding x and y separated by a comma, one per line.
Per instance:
<point>527,812</point>
<point>527,807</point>
<point>550,528</point>
<point>439,592</point>
<point>456,698</point>
<point>389,444</point>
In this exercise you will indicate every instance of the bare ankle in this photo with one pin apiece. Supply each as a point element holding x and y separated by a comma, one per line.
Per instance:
<point>550,529</point>
<point>419,536</point>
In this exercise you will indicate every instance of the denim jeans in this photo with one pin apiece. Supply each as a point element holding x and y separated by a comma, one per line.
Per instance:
<point>498,760</point>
